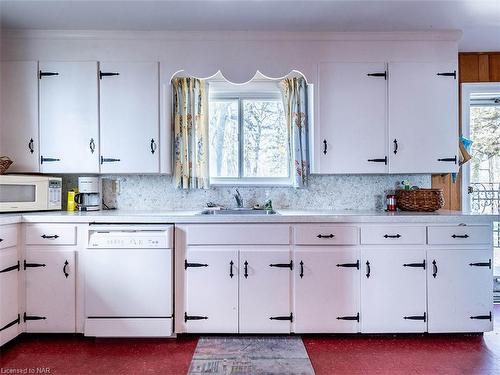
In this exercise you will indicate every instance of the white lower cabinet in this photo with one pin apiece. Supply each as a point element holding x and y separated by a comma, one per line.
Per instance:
<point>460,288</point>
<point>265,275</point>
<point>9,294</point>
<point>327,291</point>
<point>50,290</point>
<point>211,290</point>
<point>393,290</point>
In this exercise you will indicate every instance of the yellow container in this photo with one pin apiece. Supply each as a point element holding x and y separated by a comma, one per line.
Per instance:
<point>71,200</point>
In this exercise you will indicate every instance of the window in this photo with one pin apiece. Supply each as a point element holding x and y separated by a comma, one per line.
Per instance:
<point>249,140</point>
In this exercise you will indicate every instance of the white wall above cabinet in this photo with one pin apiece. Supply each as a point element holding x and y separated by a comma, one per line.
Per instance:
<point>69,127</point>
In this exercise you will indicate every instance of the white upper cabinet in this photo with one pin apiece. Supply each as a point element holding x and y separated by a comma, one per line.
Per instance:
<point>423,126</point>
<point>353,107</point>
<point>19,115</point>
<point>68,117</point>
<point>129,117</point>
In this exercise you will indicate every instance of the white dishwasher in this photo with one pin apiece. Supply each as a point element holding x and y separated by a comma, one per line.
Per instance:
<point>128,281</point>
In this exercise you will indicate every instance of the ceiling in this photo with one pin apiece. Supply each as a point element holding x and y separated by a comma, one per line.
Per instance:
<point>478,19</point>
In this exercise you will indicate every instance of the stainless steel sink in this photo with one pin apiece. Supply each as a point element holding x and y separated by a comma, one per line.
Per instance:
<point>238,211</point>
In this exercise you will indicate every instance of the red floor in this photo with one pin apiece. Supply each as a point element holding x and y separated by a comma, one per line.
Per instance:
<point>406,354</point>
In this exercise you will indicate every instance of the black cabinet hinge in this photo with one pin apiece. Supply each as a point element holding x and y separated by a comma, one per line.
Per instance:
<point>187,264</point>
<point>17,267</point>
<point>45,160</point>
<point>290,317</point>
<point>453,160</point>
<point>449,74</point>
<point>481,264</point>
<point>384,74</point>
<point>13,323</point>
<point>422,265</point>
<point>32,265</point>
<point>416,317</point>
<point>483,317</point>
<point>46,74</point>
<point>32,317</point>
<point>108,160</point>
<point>384,160</point>
<point>356,317</point>
<point>193,317</point>
<point>107,74</point>
<point>282,265</point>
<point>349,264</point>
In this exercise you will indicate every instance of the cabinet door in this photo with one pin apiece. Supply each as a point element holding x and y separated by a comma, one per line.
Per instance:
<point>264,305</point>
<point>9,294</point>
<point>50,290</point>
<point>423,121</point>
<point>326,290</point>
<point>129,96</point>
<point>68,117</point>
<point>393,291</point>
<point>19,115</point>
<point>460,290</point>
<point>352,121</point>
<point>211,290</point>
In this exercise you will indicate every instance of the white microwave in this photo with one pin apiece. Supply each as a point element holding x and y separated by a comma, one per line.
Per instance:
<point>30,193</point>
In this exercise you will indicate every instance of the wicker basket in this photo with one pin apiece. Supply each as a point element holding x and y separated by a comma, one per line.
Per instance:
<point>5,163</point>
<point>420,199</point>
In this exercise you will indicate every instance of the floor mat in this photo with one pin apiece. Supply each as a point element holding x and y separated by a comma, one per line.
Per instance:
<point>244,355</point>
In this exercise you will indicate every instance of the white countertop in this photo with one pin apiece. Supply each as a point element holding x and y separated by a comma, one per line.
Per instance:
<point>284,216</point>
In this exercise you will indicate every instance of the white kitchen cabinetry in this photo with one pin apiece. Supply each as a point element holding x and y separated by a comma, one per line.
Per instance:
<point>460,289</point>
<point>393,290</point>
<point>19,115</point>
<point>353,111</point>
<point>423,125</point>
<point>129,117</point>
<point>265,290</point>
<point>327,289</point>
<point>211,290</point>
<point>69,117</point>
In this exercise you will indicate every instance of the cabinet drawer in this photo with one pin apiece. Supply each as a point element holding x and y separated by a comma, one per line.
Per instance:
<point>236,234</point>
<point>50,234</point>
<point>393,234</point>
<point>8,236</point>
<point>460,235</point>
<point>318,234</point>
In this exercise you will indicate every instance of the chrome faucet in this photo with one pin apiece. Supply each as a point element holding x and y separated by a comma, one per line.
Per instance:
<point>239,199</point>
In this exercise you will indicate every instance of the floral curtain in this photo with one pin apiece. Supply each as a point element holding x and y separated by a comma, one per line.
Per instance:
<point>189,113</point>
<point>294,92</point>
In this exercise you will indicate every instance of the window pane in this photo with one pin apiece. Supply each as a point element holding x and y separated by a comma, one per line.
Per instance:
<point>265,146</point>
<point>223,132</point>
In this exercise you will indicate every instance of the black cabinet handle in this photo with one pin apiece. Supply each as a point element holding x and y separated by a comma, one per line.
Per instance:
<point>395,146</point>
<point>301,269</point>
<point>384,74</point>
<point>460,236</point>
<point>481,264</point>
<point>108,160</point>
<point>434,268</point>
<point>356,317</point>
<point>482,317</point>
<point>352,265</point>
<point>325,235</point>
<point>31,146</point>
<point>454,160</point>
<point>384,160</point>
<point>153,146</point>
<point>32,265</point>
<point>17,267</point>
<point>288,317</point>
<point>92,145</point>
<point>368,269</point>
<point>13,323</point>
<point>246,269</point>
<point>422,265</point>
<point>282,265</point>
<point>66,264</point>
<point>449,74</point>
<point>231,274</point>
<point>32,317</point>
<point>107,74</point>
<point>325,147</point>
<point>46,74</point>
<point>416,317</point>
<point>392,235</point>
<point>194,317</point>
<point>195,265</point>
<point>45,160</point>
<point>50,237</point>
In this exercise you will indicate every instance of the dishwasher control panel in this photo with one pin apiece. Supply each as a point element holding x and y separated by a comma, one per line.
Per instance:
<point>129,240</point>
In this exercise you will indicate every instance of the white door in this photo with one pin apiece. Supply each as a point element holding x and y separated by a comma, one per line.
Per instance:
<point>9,294</point>
<point>352,119</point>
<point>129,117</point>
<point>393,291</point>
<point>50,290</point>
<point>460,290</point>
<point>68,117</point>
<point>264,305</point>
<point>423,121</point>
<point>19,115</point>
<point>211,304</point>
<point>326,290</point>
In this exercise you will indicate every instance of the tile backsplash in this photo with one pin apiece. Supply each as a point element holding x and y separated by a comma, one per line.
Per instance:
<point>333,192</point>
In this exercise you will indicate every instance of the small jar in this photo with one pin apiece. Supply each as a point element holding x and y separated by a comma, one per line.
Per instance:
<point>391,202</point>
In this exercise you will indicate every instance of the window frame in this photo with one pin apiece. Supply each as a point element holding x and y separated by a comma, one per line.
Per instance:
<point>241,180</point>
